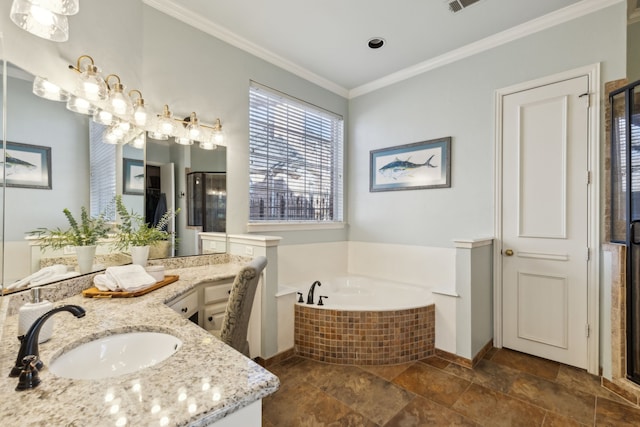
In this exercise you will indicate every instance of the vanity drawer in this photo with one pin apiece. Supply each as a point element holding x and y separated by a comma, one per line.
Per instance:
<point>213,315</point>
<point>217,292</point>
<point>187,305</point>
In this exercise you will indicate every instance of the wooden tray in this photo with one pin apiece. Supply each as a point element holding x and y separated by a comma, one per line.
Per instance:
<point>97,293</point>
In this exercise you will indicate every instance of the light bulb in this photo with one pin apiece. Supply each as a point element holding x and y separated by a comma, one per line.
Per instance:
<point>80,105</point>
<point>140,115</point>
<point>139,141</point>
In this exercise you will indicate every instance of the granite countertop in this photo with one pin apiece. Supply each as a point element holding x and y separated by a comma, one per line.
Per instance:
<point>204,381</point>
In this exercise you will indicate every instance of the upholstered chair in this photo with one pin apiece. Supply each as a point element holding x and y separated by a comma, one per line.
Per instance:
<point>235,322</point>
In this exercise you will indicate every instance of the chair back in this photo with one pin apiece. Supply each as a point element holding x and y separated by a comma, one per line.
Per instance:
<point>235,323</point>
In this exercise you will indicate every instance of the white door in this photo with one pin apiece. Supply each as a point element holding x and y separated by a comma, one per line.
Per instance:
<point>545,221</point>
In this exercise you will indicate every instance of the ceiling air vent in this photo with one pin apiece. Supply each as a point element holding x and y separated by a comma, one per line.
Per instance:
<point>458,5</point>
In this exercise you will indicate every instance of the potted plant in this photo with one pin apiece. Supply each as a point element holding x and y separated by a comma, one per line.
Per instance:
<point>83,236</point>
<point>134,234</point>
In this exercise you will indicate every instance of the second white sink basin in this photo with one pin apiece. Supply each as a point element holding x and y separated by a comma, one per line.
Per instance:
<point>115,355</point>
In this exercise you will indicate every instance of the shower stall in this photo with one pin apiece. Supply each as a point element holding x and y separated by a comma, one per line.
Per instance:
<point>625,207</point>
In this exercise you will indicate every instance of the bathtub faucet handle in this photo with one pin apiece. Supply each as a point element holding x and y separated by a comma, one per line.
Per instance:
<point>310,295</point>
<point>322,296</point>
<point>300,297</point>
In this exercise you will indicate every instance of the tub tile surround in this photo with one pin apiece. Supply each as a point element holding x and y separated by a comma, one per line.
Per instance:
<point>364,337</point>
<point>202,382</point>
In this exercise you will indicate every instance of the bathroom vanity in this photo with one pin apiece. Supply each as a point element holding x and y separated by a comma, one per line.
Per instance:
<point>202,383</point>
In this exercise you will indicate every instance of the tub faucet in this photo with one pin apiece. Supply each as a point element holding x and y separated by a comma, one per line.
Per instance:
<point>310,295</point>
<point>29,341</point>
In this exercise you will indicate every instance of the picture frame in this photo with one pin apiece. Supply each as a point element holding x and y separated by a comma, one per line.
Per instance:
<point>27,166</point>
<point>419,165</point>
<point>133,177</point>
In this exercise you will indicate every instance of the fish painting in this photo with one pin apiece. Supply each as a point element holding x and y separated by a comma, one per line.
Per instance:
<point>15,165</point>
<point>399,168</point>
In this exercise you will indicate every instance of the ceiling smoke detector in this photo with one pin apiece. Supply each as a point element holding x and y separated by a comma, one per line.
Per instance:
<point>458,5</point>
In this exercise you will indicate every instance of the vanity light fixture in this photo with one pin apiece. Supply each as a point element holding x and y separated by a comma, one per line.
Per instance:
<point>80,105</point>
<point>118,100</point>
<point>158,136</point>
<point>103,117</point>
<point>139,110</point>
<point>166,124</point>
<point>89,84</point>
<point>183,140</point>
<point>193,128</point>
<point>44,18</point>
<point>45,89</point>
<point>217,136</point>
<point>207,145</point>
<point>139,141</point>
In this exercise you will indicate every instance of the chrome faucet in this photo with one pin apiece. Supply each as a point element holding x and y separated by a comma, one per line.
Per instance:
<point>310,294</point>
<point>29,341</point>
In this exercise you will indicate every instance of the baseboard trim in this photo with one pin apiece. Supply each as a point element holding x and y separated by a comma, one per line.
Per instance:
<point>265,363</point>
<point>462,361</point>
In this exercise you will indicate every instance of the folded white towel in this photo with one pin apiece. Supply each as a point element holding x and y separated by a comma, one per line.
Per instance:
<point>130,277</point>
<point>103,283</point>
<point>39,276</point>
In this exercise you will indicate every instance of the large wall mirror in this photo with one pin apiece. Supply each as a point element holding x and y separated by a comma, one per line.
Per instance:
<point>52,163</point>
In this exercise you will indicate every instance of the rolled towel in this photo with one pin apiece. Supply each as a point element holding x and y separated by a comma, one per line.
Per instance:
<point>130,277</point>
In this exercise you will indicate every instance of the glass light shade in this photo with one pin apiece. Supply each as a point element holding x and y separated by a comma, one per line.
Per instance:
<point>166,126</point>
<point>63,7</point>
<point>140,114</point>
<point>90,85</point>
<point>103,117</point>
<point>208,145</point>
<point>139,141</point>
<point>217,136</point>
<point>120,102</point>
<point>45,89</point>
<point>35,18</point>
<point>124,126</point>
<point>111,136</point>
<point>182,140</point>
<point>193,130</point>
<point>80,105</point>
<point>158,136</point>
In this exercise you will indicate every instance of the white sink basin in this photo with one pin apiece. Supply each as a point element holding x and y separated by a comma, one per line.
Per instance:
<point>115,355</point>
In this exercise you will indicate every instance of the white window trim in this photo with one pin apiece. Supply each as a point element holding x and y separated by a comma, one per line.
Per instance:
<point>254,227</point>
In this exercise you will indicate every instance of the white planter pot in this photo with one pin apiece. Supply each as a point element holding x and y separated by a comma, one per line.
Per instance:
<point>139,255</point>
<point>85,255</point>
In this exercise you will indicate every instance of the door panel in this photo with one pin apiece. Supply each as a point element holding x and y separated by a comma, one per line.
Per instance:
<point>545,221</point>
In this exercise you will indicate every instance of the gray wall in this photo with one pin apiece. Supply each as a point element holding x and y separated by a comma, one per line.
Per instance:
<point>37,121</point>
<point>458,101</point>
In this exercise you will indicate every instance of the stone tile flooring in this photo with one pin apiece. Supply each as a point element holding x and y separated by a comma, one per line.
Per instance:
<point>507,388</point>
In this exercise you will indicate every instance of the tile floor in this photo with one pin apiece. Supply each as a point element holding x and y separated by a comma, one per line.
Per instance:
<point>507,388</point>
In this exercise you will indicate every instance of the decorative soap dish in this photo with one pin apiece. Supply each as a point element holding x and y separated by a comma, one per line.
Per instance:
<point>97,293</point>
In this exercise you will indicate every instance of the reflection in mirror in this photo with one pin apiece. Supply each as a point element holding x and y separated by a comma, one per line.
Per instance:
<point>3,85</point>
<point>63,160</point>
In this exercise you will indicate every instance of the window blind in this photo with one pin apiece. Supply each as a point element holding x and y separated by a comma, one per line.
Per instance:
<point>102,183</point>
<point>295,160</point>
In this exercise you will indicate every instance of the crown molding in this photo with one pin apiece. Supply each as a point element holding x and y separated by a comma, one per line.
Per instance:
<point>222,33</point>
<point>552,19</point>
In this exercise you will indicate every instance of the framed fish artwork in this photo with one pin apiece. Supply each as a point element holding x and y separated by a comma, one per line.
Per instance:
<point>133,177</point>
<point>420,165</point>
<point>27,166</point>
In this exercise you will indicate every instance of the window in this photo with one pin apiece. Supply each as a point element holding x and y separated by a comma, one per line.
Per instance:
<point>102,182</point>
<point>295,160</point>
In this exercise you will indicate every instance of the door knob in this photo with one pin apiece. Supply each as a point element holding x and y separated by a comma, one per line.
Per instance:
<point>508,252</point>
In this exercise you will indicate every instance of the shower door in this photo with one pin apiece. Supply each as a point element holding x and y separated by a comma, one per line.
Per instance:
<point>625,206</point>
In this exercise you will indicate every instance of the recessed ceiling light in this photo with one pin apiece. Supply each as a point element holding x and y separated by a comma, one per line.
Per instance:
<point>376,42</point>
